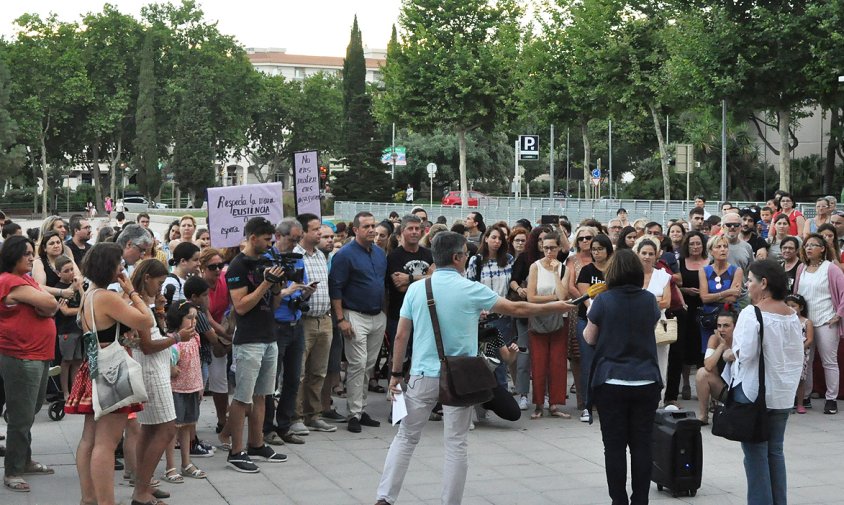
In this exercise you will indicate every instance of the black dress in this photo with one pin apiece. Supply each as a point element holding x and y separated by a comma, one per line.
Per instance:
<point>691,329</point>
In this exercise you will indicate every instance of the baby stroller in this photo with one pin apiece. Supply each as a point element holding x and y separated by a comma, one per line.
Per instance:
<point>56,409</point>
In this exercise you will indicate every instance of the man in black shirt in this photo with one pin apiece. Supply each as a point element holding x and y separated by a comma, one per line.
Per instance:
<point>749,218</point>
<point>407,263</point>
<point>255,292</point>
<point>78,244</point>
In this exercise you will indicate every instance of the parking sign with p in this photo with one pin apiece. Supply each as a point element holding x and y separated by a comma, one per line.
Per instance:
<point>528,147</point>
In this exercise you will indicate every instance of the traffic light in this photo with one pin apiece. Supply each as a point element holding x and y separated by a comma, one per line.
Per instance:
<point>323,173</point>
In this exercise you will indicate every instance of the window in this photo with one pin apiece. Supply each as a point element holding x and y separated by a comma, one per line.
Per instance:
<point>299,73</point>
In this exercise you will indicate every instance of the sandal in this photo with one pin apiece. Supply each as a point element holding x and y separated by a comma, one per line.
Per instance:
<point>559,413</point>
<point>374,387</point>
<point>16,484</point>
<point>172,476</point>
<point>219,428</point>
<point>536,414</point>
<point>35,468</point>
<point>193,472</point>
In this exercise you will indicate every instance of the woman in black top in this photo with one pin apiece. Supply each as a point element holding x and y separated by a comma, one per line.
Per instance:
<point>601,249</point>
<point>686,351</point>
<point>625,381</point>
<point>790,259</point>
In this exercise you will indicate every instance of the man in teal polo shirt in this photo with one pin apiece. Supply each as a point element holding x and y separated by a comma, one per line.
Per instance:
<point>459,303</point>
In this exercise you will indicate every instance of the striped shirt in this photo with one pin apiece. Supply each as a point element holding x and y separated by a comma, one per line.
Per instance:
<point>814,287</point>
<point>317,269</point>
<point>493,276</point>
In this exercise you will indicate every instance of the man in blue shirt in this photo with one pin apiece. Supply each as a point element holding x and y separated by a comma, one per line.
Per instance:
<point>459,303</point>
<point>356,288</point>
<point>291,342</point>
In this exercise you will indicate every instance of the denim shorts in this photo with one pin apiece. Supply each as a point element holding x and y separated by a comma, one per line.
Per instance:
<point>187,407</point>
<point>255,370</point>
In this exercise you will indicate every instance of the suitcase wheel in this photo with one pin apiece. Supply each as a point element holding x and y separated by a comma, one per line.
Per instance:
<point>56,411</point>
<point>659,487</point>
<point>692,492</point>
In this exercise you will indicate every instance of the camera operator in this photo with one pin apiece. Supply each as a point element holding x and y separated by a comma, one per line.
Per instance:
<point>255,292</point>
<point>290,337</point>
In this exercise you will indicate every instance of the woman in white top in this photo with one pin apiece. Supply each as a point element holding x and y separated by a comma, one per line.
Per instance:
<point>185,261</point>
<point>764,462</point>
<point>657,282</point>
<point>546,283</point>
<point>822,285</point>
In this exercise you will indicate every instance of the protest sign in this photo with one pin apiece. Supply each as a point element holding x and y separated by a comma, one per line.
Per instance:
<point>230,207</point>
<point>306,168</point>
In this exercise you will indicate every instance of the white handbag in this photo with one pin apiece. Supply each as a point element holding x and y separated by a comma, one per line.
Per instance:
<point>117,380</point>
<point>666,331</point>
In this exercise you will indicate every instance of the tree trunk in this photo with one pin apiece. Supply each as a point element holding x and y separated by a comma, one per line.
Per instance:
<point>464,183</point>
<point>663,156</point>
<point>114,161</point>
<point>95,174</point>
<point>834,142</point>
<point>44,181</point>
<point>587,154</point>
<point>785,152</point>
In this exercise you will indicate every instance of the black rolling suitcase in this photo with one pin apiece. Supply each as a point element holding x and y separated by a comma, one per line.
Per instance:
<point>677,452</point>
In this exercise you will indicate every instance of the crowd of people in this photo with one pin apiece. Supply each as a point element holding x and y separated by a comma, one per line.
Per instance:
<point>305,314</point>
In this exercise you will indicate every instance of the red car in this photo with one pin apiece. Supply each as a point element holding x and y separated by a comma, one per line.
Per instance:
<point>452,199</point>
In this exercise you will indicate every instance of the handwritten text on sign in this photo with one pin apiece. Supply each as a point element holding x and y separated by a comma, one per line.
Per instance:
<point>230,207</point>
<point>306,167</point>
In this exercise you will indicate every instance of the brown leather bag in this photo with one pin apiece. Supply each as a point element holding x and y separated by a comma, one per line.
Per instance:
<point>464,380</point>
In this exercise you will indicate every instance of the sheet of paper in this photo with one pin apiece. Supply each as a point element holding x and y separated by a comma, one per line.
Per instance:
<point>399,408</point>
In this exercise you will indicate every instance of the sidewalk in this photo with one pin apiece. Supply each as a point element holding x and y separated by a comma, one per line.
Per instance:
<point>527,462</point>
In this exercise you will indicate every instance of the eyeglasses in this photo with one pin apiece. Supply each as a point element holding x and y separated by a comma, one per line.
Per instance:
<point>732,225</point>
<point>811,245</point>
<point>550,248</point>
<point>585,237</point>
<point>215,266</point>
<point>140,249</point>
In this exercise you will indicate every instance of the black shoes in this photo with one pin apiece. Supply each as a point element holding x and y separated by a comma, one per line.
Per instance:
<point>830,407</point>
<point>365,420</point>
<point>354,425</point>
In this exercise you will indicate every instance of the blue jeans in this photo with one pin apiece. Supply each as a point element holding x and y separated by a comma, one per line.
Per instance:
<point>587,354</point>
<point>764,462</point>
<point>291,347</point>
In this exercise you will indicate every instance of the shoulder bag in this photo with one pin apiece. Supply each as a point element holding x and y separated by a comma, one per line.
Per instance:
<point>665,331</point>
<point>548,323</point>
<point>116,378</point>
<point>464,380</point>
<point>745,422</point>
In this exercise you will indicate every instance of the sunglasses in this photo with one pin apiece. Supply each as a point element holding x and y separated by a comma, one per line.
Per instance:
<point>585,237</point>
<point>551,248</point>
<point>215,266</point>
<point>732,225</point>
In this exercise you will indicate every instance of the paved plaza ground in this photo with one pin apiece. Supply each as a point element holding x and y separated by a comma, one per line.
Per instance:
<point>549,460</point>
<point>525,462</point>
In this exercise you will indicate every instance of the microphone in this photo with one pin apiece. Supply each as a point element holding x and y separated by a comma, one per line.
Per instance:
<point>593,291</point>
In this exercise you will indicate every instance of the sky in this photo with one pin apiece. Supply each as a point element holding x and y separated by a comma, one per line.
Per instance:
<point>312,27</point>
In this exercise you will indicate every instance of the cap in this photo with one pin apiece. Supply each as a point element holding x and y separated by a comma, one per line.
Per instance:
<point>747,211</point>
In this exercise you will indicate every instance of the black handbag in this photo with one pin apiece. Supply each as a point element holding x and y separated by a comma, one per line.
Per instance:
<point>708,320</point>
<point>745,422</point>
<point>464,380</point>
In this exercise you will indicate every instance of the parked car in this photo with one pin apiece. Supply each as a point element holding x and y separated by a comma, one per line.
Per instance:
<point>452,198</point>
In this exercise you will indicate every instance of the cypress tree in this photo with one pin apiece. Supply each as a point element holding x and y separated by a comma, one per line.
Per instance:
<point>365,178</point>
<point>146,159</point>
<point>11,154</point>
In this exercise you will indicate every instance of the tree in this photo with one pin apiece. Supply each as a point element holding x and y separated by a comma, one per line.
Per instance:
<point>365,178</point>
<point>12,154</point>
<point>49,84</point>
<point>453,69</point>
<point>269,133</point>
<point>111,42</point>
<point>146,147</point>
<point>193,149</point>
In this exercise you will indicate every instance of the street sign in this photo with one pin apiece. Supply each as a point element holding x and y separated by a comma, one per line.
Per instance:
<point>387,156</point>
<point>596,181</point>
<point>684,158</point>
<point>596,174</point>
<point>528,147</point>
<point>432,169</point>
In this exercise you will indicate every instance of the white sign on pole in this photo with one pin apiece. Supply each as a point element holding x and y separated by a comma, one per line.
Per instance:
<point>432,169</point>
<point>528,147</point>
<point>306,182</point>
<point>230,207</point>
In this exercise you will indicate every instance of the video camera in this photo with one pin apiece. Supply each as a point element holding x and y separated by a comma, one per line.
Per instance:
<point>287,262</point>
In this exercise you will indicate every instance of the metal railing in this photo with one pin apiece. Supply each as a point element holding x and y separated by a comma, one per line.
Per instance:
<point>512,209</point>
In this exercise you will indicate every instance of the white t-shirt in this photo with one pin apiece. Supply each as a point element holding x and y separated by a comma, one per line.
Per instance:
<point>179,284</point>
<point>659,279</point>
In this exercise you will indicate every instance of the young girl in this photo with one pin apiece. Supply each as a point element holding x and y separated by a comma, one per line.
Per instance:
<point>187,383</point>
<point>203,239</point>
<point>798,303</point>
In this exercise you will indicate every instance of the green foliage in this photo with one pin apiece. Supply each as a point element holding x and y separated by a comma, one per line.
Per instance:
<point>365,178</point>
<point>146,149</point>
<point>12,154</point>
<point>193,152</point>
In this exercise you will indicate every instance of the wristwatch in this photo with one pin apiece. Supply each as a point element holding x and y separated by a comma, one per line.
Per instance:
<point>396,374</point>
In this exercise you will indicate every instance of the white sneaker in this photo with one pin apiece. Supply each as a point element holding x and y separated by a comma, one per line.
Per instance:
<point>471,426</point>
<point>299,429</point>
<point>546,405</point>
<point>671,407</point>
<point>523,403</point>
<point>585,416</point>
<point>320,425</point>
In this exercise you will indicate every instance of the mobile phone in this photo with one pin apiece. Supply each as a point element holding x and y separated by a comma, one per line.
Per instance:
<point>313,284</point>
